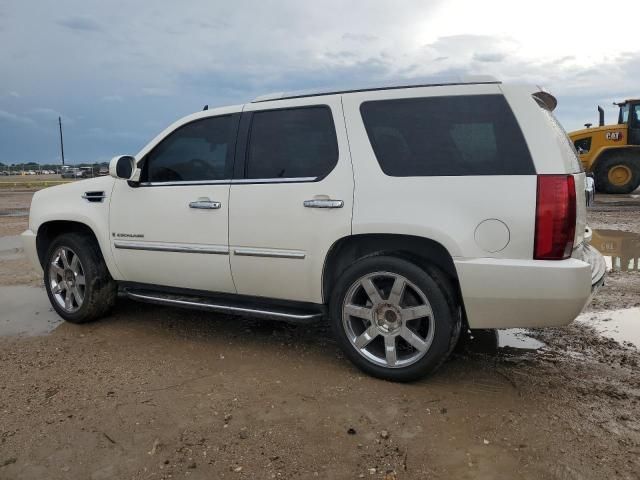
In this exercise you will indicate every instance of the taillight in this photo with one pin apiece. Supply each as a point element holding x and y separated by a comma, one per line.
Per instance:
<point>555,217</point>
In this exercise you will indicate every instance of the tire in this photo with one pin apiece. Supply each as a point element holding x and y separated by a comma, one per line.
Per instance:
<point>374,330</point>
<point>617,174</point>
<point>78,282</point>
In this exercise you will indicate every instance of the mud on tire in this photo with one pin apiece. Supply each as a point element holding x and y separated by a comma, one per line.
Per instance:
<point>92,291</point>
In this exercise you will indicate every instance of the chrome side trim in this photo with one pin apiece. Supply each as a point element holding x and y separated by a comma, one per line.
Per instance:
<point>267,252</point>
<point>239,181</point>
<point>172,247</point>
<point>222,308</point>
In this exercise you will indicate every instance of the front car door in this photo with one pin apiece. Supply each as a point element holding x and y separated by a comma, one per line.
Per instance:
<point>172,230</point>
<point>291,198</point>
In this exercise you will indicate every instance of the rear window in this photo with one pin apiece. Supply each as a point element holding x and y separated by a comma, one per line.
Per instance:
<point>438,136</point>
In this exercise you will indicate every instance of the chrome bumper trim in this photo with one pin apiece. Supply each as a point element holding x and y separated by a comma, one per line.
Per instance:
<point>598,266</point>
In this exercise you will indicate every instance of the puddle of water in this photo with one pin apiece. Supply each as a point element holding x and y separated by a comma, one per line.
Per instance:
<point>492,341</point>
<point>14,213</point>
<point>621,250</point>
<point>518,338</point>
<point>621,325</point>
<point>26,311</point>
<point>10,247</point>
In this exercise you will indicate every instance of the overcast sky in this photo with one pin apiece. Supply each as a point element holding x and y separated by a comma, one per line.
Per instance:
<point>119,72</point>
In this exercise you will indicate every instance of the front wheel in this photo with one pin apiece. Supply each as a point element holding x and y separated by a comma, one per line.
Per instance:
<point>393,319</point>
<point>77,281</point>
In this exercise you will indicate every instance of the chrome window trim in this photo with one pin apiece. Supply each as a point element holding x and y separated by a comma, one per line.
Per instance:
<point>237,181</point>
<point>267,252</point>
<point>171,247</point>
<point>241,181</point>
<point>186,182</point>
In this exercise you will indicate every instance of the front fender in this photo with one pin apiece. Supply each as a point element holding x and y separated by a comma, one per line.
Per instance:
<point>65,203</point>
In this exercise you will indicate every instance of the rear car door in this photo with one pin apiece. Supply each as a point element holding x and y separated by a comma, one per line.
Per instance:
<point>172,230</point>
<point>291,198</point>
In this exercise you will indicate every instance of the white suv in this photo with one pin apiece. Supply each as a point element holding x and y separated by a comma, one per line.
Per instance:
<point>399,214</point>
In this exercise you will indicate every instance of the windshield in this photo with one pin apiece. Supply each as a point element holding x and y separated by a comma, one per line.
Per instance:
<point>624,114</point>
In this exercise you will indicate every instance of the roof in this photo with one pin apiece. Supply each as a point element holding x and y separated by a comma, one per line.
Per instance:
<point>423,82</point>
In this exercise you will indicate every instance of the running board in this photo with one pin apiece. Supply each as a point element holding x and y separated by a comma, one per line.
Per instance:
<point>287,314</point>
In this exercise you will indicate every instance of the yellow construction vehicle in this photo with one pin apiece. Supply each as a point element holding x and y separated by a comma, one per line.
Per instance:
<point>612,152</point>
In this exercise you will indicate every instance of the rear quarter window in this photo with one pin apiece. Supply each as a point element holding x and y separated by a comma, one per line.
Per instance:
<point>450,135</point>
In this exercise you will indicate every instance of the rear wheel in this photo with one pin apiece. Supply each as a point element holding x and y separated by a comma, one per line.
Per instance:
<point>77,281</point>
<point>617,174</point>
<point>393,319</point>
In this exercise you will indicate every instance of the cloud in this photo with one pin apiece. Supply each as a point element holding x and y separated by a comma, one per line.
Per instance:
<point>488,57</point>
<point>45,112</point>
<point>124,67</point>
<point>15,119</point>
<point>359,37</point>
<point>81,24</point>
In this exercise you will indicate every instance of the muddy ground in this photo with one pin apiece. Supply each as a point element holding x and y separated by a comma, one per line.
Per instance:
<point>154,392</point>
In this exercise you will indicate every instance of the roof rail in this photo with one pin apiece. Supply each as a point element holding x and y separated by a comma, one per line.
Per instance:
<point>415,83</point>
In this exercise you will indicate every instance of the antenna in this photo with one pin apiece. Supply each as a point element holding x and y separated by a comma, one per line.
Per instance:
<point>61,143</point>
<point>206,107</point>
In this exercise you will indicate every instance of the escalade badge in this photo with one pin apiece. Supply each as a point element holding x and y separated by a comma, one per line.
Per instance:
<point>128,235</point>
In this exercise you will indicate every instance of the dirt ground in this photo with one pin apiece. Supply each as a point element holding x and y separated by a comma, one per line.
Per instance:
<point>151,393</point>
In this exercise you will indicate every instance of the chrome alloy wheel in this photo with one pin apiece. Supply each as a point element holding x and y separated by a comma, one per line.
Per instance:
<point>388,319</point>
<point>66,279</point>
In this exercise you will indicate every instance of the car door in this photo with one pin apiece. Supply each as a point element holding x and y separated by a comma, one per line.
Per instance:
<point>172,229</point>
<point>291,198</point>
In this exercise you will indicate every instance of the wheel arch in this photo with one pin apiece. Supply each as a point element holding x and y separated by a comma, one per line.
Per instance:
<point>422,251</point>
<point>50,230</point>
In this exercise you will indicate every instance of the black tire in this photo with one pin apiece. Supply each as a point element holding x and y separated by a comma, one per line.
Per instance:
<point>439,294</point>
<point>100,290</point>
<point>618,160</point>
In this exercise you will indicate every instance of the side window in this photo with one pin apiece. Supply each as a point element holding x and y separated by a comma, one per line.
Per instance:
<point>292,143</point>
<point>583,145</point>
<point>438,136</point>
<point>200,150</point>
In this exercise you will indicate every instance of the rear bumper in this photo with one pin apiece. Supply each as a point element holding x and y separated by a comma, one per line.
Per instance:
<point>501,293</point>
<point>30,250</point>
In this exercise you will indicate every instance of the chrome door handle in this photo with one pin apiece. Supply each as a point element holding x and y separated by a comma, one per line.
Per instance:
<point>205,204</point>
<point>323,203</point>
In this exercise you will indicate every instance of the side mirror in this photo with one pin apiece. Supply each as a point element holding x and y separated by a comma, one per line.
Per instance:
<point>122,167</point>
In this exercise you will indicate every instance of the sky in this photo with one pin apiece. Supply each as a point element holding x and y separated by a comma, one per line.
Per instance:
<point>119,72</point>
